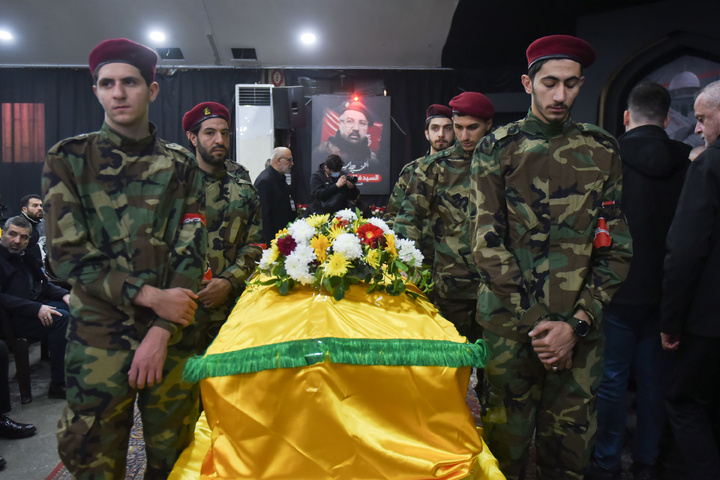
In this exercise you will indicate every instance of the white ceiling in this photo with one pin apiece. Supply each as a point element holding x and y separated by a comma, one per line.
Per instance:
<point>351,34</point>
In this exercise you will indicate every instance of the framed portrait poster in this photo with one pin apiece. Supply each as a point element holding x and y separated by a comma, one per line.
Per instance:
<point>356,129</point>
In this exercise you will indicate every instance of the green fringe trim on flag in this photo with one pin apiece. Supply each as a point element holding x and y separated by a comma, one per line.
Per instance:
<point>353,351</point>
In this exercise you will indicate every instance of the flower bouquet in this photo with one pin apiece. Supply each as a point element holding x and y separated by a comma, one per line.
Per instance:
<point>337,251</point>
<point>377,211</point>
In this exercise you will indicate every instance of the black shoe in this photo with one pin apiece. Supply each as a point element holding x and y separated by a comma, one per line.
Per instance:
<point>11,429</point>
<point>57,392</point>
<point>595,472</point>
<point>2,463</point>
<point>642,471</point>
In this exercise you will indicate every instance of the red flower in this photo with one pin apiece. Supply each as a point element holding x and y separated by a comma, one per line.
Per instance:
<point>286,245</point>
<point>370,234</point>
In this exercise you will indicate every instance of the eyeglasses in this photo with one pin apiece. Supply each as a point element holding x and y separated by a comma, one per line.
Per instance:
<point>350,122</point>
<point>290,160</point>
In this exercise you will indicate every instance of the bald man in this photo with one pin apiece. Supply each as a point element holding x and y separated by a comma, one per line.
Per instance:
<point>276,202</point>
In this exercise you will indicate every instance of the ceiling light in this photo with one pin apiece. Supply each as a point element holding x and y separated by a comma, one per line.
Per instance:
<point>308,38</point>
<point>5,35</point>
<point>157,36</point>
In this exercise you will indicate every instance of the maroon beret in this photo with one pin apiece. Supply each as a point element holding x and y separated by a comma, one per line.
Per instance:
<point>474,104</point>
<point>358,107</point>
<point>203,111</point>
<point>436,110</point>
<point>561,46</point>
<point>122,50</point>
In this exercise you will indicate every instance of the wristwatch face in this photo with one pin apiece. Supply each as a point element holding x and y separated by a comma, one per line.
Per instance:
<point>581,328</point>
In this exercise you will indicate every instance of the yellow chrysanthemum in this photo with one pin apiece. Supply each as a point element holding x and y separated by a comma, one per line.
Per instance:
<point>316,221</point>
<point>335,230</point>
<point>390,244</point>
<point>373,258</point>
<point>337,265</point>
<point>320,244</point>
<point>273,255</point>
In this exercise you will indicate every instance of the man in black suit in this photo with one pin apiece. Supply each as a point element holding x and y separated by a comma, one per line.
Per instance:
<point>9,428</point>
<point>276,201</point>
<point>654,168</point>
<point>690,321</point>
<point>36,307</point>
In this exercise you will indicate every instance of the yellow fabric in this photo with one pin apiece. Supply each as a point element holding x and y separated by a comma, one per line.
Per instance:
<point>262,316</point>
<point>330,420</point>
<point>189,464</point>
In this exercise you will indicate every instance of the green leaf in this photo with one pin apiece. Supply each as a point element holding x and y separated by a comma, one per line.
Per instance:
<point>339,292</point>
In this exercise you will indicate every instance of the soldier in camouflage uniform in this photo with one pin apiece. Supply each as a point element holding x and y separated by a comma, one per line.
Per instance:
<point>125,229</point>
<point>435,213</point>
<point>439,132</point>
<point>539,187</point>
<point>233,218</point>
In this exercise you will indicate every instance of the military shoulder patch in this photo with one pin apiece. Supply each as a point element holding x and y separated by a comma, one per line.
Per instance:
<point>601,134</point>
<point>491,140</point>
<point>58,146</point>
<point>176,147</point>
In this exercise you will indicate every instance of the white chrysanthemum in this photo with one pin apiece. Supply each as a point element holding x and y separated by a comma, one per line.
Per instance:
<point>302,255</point>
<point>268,259</point>
<point>380,223</point>
<point>408,253</point>
<point>348,245</point>
<point>347,215</point>
<point>300,273</point>
<point>301,231</point>
<point>297,264</point>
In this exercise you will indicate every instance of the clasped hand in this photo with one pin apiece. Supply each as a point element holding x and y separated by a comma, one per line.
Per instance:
<point>553,341</point>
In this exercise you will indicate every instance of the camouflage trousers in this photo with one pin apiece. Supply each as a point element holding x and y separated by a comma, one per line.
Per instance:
<point>523,399</point>
<point>94,430</point>
<point>461,313</point>
<point>208,324</point>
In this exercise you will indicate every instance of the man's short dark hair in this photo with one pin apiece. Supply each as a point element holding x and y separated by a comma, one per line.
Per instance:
<point>649,102</point>
<point>18,221</point>
<point>334,163</point>
<point>535,68</point>
<point>24,201</point>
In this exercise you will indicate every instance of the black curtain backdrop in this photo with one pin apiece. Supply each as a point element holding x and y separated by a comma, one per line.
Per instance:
<point>71,108</point>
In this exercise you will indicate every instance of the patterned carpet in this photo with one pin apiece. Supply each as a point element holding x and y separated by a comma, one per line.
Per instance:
<point>136,450</point>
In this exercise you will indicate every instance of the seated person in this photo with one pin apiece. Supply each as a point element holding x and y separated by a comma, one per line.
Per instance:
<point>9,428</point>
<point>36,307</point>
<point>330,190</point>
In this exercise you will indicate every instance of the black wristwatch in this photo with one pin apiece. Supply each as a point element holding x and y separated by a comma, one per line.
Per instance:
<point>579,327</point>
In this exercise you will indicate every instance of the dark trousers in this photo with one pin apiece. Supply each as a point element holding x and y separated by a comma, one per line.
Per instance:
<point>632,343</point>
<point>4,386</point>
<point>693,405</point>
<point>33,329</point>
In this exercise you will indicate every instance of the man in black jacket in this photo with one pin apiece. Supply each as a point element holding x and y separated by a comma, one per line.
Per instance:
<point>330,189</point>
<point>36,307</point>
<point>276,201</point>
<point>654,168</point>
<point>690,322</point>
<point>32,210</point>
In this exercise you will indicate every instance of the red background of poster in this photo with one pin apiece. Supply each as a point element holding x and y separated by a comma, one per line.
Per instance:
<point>331,122</point>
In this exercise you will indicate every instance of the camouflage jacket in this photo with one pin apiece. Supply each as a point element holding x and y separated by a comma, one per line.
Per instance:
<point>537,193</point>
<point>122,213</point>
<point>398,193</point>
<point>234,232</point>
<point>434,214</point>
<point>237,170</point>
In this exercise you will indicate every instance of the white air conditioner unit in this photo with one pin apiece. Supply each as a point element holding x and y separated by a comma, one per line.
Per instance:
<point>254,126</point>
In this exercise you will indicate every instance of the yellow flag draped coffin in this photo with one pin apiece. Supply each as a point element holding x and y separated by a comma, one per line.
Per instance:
<point>303,386</point>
